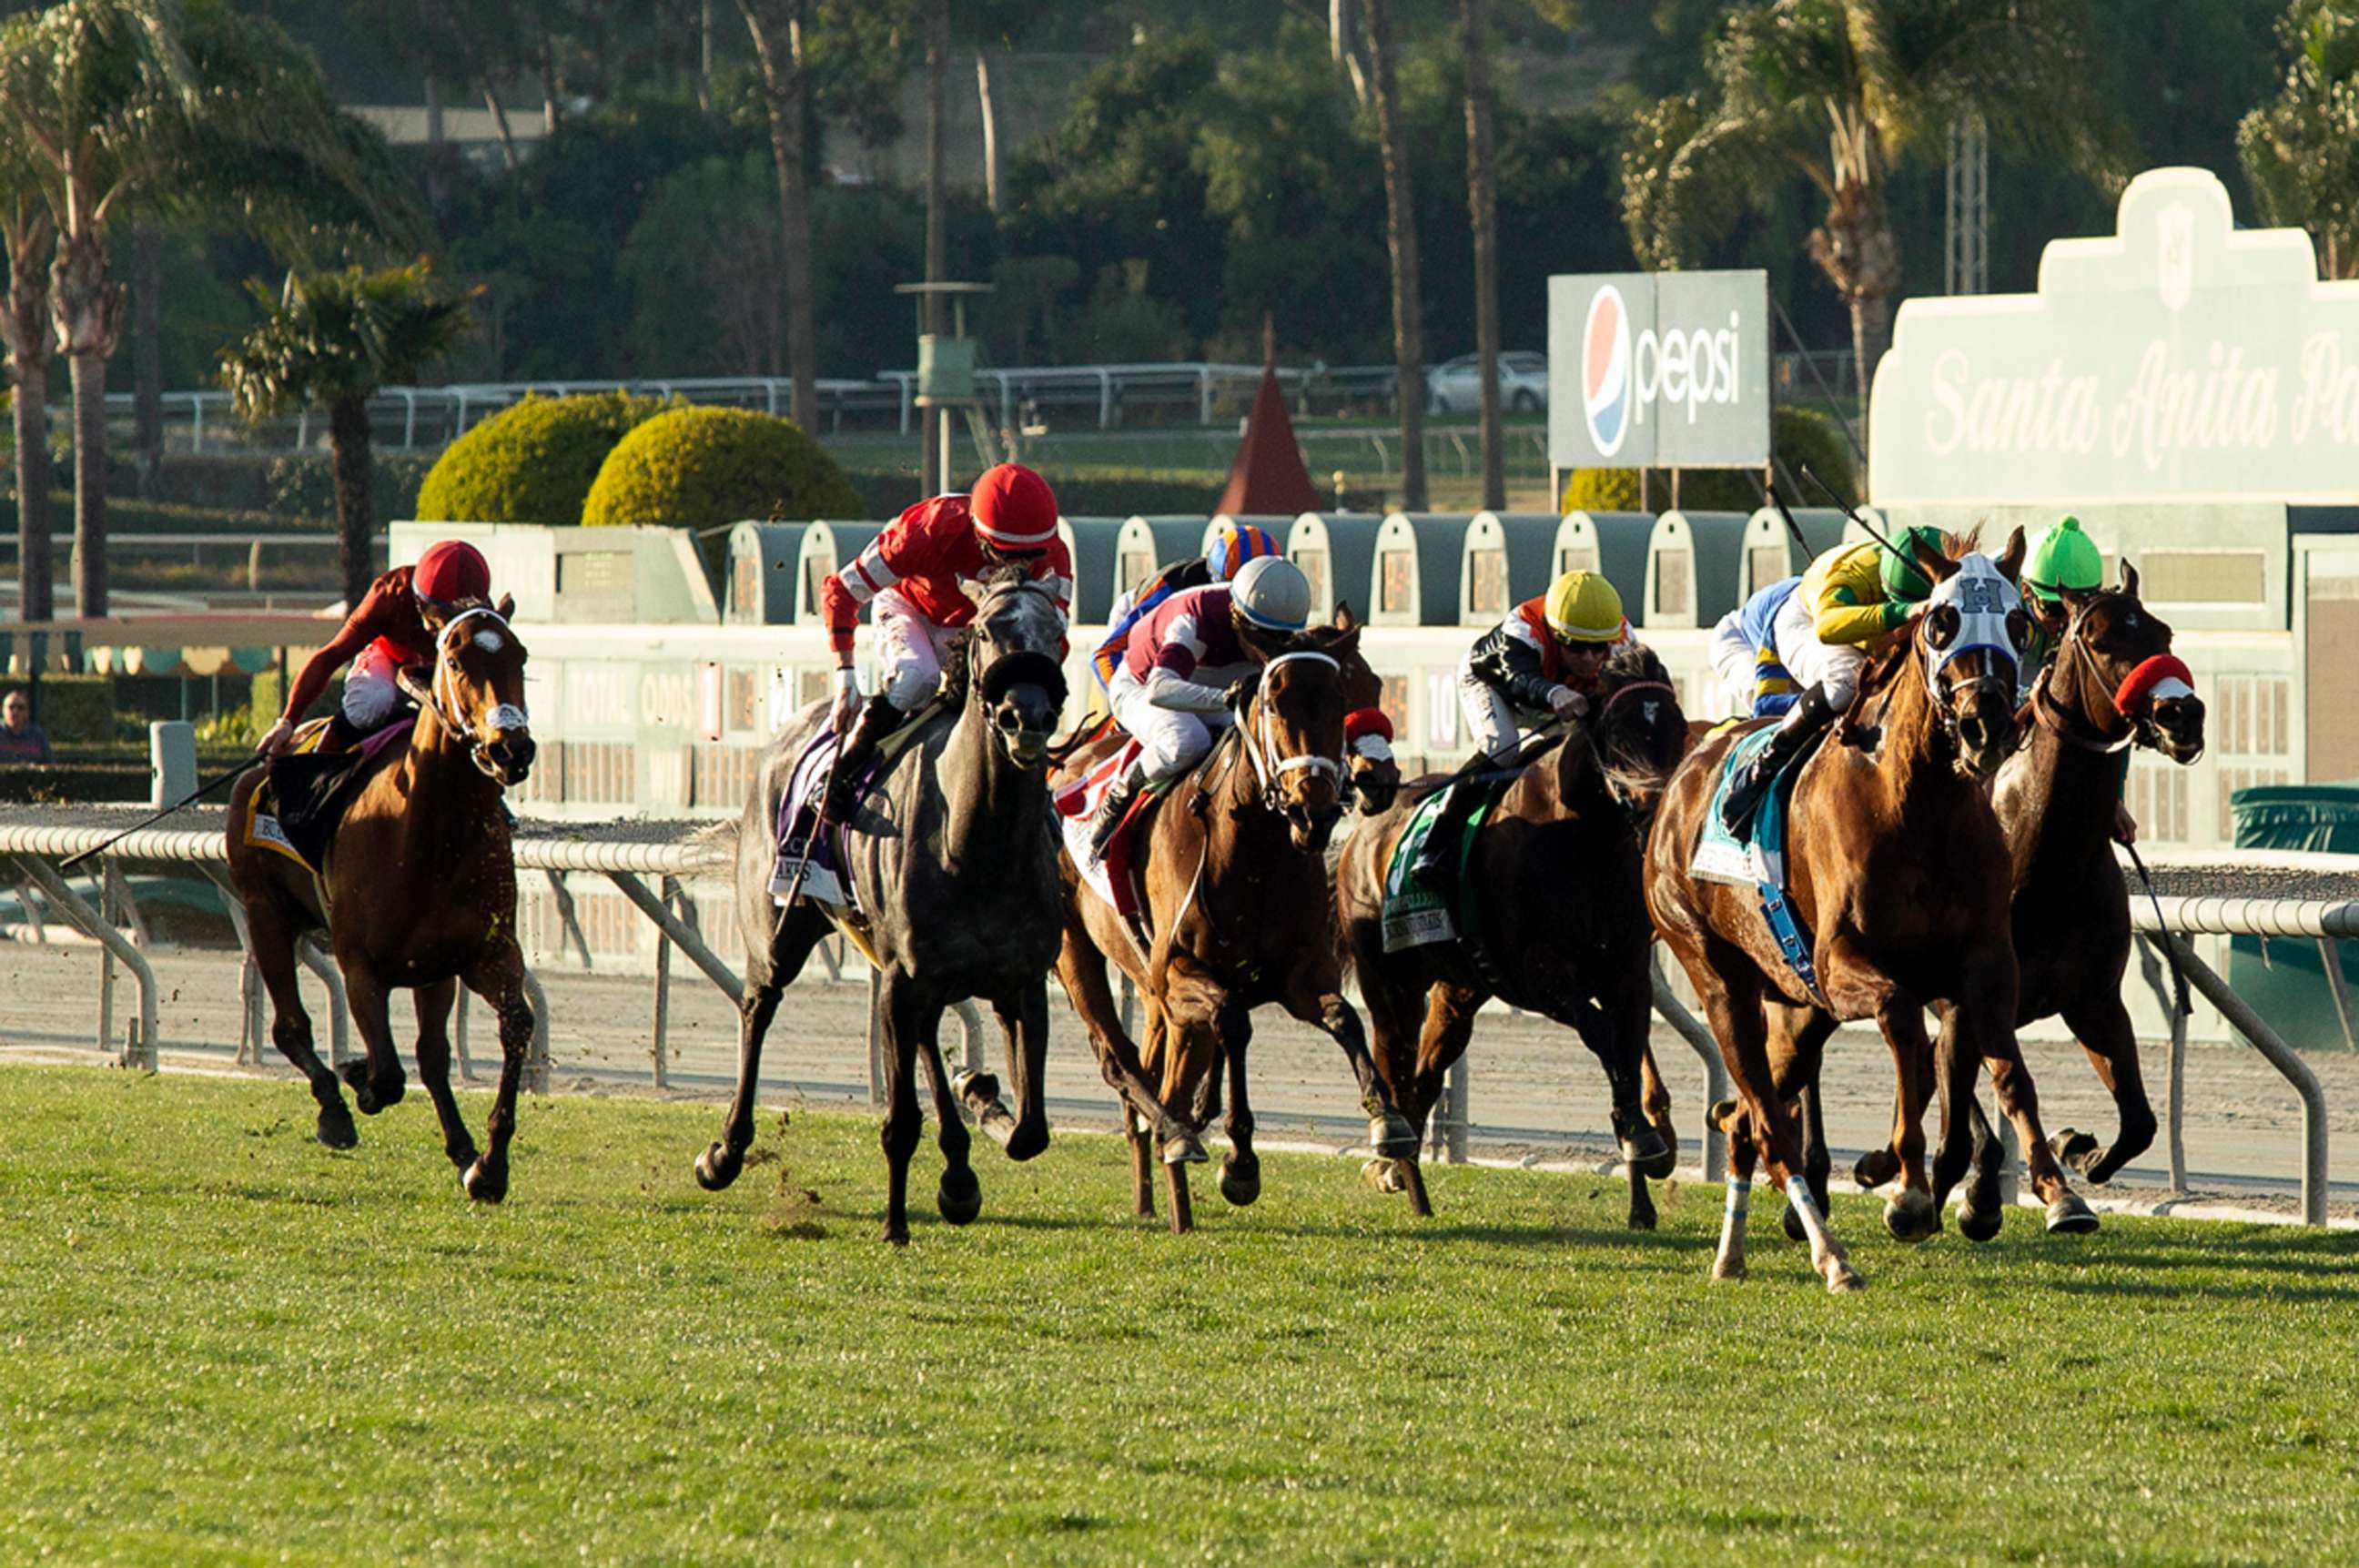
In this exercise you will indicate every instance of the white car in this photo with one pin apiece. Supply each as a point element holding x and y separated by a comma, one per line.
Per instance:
<point>1455,386</point>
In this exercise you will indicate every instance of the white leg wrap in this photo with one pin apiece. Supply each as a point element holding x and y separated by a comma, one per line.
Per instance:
<point>1740,1200</point>
<point>1798,1197</point>
<point>1732,1219</point>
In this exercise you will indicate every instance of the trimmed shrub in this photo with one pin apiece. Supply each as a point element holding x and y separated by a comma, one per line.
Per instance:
<point>1799,435</point>
<point>704,468</point>
<point>531,463</point>
<point>73,707</point>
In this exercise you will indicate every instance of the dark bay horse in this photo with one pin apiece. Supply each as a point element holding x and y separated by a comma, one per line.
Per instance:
<point>420,892</point>
<point>1235,899</point>
<point>953,867</point>
<point>1898,874</point>
<point>1555,881</point>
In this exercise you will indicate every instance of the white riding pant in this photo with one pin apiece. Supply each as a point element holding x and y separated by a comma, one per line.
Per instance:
<point>1170,740</point>
<point>371,697</point>
<point>911,648</point>
<point>1737,663</point>
<point>1490,718</point>
<point>1813,662</point>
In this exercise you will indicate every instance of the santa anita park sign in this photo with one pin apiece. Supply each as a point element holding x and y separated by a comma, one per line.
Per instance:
<point>2180,360</point>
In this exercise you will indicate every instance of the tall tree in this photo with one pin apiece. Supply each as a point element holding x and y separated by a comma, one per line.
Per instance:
<point>1482,205</point>
<point>1844,91</point>
<point>1400,241</point>
<point>2302,148</point>
<point>777,28</point>
<point>118,104</point>
<point>938,53</point>
<point>29,238</point>
<point>329,342</point>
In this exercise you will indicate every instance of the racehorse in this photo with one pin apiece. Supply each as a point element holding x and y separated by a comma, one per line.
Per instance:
<point>951,865</point>
<point>1553,889</point>
<point>1235,900</point>
<point>420,891</point>
<point>1898,874</point>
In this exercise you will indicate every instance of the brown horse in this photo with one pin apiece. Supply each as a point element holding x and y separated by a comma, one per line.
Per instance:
<point>1235,902</point>
<point>1898,873</point>
<point>1554,890</point>
<point>419,888</point>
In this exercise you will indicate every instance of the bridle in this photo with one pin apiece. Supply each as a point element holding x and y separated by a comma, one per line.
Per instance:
<point>1984,603</point>
<point>443,691</point>
<point>1629,799</point>
<point>1261,746</point>
<point>2075,728</point>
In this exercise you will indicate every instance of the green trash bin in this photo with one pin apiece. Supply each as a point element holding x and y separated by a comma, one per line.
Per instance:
<point>2288,987</point>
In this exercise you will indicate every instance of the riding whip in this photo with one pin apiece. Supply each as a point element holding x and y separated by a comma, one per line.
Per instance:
<point>1844,506</point>
<point>1769,489</point>
<point>2177,975</point>
<point>199,793</point>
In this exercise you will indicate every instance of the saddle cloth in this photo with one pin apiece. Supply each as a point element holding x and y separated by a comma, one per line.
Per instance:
<point>1760,864</point>
<point>1415,914</point>
<point>305,792</point>
<point>823,880</point>
<point>1115,877</point>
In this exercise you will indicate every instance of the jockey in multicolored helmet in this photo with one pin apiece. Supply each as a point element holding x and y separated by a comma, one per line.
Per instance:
<point>1233,545</point>
<point>2064,560</point>
<point>914,573</point>
<point>1745,655</point>
<point>1541,664</point>
<point>1175,689</point>
<point>385,631</point>
<point>1846,602</point>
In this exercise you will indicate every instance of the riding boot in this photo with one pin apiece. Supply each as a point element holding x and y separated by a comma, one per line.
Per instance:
<point>1803,721</point>
<point>1114,808</point>
<point>1437,857</point>
<point>851,758</point>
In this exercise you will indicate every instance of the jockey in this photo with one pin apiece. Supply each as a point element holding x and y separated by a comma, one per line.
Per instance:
<point>1543,663</point>
<point>1745,654</point>
<point>2064,560</point>
<point>1236,544</point>
<point>1182,672</point>
<point>385,631</point>
<point>913,571</point>
<point>1847,601</point>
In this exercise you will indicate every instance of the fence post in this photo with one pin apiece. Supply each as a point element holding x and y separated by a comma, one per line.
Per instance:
<point>670,889</point>
<point>876,1039</point>
<point>1461,1113</point>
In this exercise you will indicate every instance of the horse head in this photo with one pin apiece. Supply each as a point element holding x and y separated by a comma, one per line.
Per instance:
<point>1375,778</point>
<point>1635,728</point>
<point>476,691</point>
<point>2114,657</point>
<point>1970,640</point>
<point>1293,727</point>
<point>1017,673</point>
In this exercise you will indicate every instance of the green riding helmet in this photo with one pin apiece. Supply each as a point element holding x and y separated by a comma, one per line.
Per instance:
<point>2063,558</point>
<point>1905,581</point>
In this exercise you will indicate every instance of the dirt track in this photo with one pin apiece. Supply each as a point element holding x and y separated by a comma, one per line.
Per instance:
<point>1536,1092</point>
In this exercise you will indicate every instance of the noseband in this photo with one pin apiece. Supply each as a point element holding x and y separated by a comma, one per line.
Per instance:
<point>1261,746</point>
<point>444,689</point>
<point>2076,728</point>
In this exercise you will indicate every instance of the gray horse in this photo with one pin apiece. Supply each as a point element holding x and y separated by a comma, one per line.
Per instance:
<point>953,865</point>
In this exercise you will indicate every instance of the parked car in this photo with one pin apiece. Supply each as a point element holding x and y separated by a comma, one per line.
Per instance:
<point>1455,387</point>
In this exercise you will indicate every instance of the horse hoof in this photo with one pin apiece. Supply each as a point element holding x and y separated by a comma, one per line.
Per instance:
<point>1795,1229</point>
<point>335,1129</point>
<point>1391,1137</point>
<point>2075,1149</point>
<point>484,1184</point>
<point>1842,1278</point>
<point>466,1154</point>
<point>367,1092</point>
<point>1646,1152</point>
<point>2068,1216</point>
<point>1977,1223</point>
<point>1876,1167</point>
<point>1642,1219</point>
<point>960,1197</point>
<point>1911,1216</point>
<point>1728,1271</point>
<point>1027,1139</point>
<point>1384,1176</point>
<point>717,1167</point>
<point>1241,1179</point>
<point>1181,1148</point>
<point>897,1235</point>
<point>1721,1113</point>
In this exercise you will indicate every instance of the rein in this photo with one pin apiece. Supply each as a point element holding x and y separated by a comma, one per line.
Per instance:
<point>1260,746</point>
<point>443,690</point>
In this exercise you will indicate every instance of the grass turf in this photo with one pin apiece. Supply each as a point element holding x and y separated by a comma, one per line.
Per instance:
<point>223,1342</point>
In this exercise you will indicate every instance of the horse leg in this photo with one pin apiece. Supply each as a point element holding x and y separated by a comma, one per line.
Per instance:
<point>1024,1031</point>
<point>1142,1165</point>
<point>1966,1142</point>
<point>1798,1035</point>
<point>1980,1211</point>
<point>2103,1025</point>
<point>1614,1040</point>
<point>433,1005</point>
<point>499,981</point>
<point>1910,1213</point>
<point>1448,1027</point>
<point>959,1195</point>
<point>1656,1096</point>
<point>1627,1000</point>
<point>1241,1171</point>
<point>377,1080</point>
<point>1321,1004</point>
<point>906,1014</point>
<point>290,1027</point>
<point>1728,1263</point>
<point>2020,1099</point>
<point>1082,969</point>
<point>792,940</point>
<point>1191,1028</point>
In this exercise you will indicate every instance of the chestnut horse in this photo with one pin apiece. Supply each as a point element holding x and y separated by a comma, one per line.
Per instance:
<point>419,884</point>
<point>1233,877</point>
<point>951,863</point>
<point>1898,874</point>
<point>1554,885</point>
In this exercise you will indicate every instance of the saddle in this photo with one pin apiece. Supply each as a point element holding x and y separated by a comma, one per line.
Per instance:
<point>1760,863</point>
<point>801,842</point>
<point>305,791</point>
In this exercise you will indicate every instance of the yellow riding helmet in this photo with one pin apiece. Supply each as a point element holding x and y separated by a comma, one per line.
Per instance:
<point>1583,608</point>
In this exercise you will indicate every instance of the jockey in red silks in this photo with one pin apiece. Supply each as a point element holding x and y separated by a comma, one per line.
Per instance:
<point>385,631</point>
<point>913,572</point>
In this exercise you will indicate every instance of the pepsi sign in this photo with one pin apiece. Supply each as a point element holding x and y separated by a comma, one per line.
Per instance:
<point>1658,370</point>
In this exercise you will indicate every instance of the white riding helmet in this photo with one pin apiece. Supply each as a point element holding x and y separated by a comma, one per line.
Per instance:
<point>1271,592</point>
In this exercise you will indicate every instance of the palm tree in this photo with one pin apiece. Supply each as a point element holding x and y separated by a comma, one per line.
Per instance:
<point>777,28</point>
<point>329,342</point>
<point>1842,92</point>
<point>1400,238</point>
<point>124,107</point>
<point>1483,208</point>
<point>28,238</point>
<point>2302,148</point>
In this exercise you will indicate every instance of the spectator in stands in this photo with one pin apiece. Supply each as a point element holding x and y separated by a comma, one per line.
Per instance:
<point>21,740</point>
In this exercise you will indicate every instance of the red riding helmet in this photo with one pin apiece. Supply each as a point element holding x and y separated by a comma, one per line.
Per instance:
<point>449,572</point>
<point>1013,508</point>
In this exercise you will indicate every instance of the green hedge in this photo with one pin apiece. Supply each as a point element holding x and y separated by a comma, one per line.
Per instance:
<point>77,781</point>
<point>531,463</point>
<point>1800,436</point>
<point>73,707</point>
<point>126,515</point>
<point>705,468</point>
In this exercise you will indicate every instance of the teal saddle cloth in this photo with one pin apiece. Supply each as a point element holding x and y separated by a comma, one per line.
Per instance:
<point>1758,860</point>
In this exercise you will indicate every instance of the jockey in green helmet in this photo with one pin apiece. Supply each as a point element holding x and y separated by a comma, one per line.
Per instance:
<point>2063,560</point>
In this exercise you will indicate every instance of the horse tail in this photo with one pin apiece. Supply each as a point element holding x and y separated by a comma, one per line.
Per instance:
<point>721,836</point>
<point>1091,729</point>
